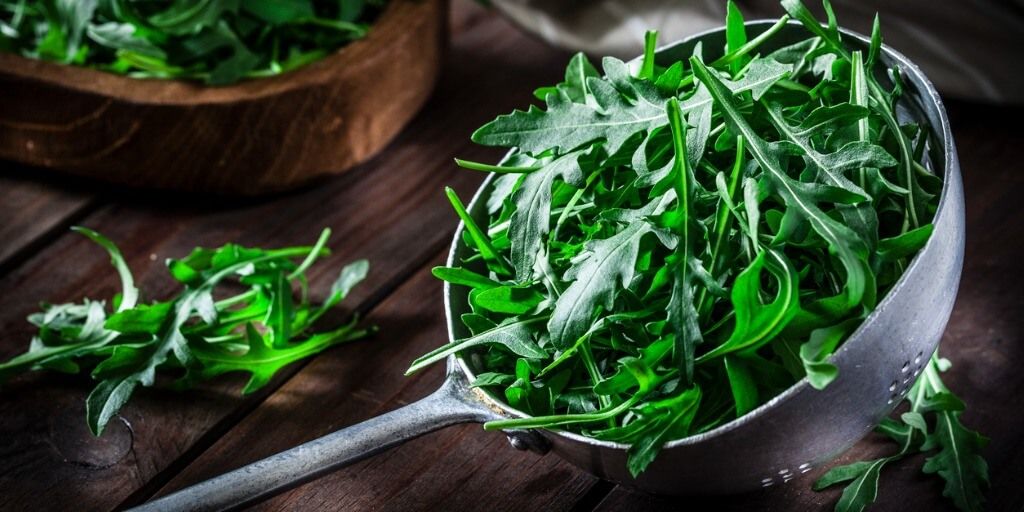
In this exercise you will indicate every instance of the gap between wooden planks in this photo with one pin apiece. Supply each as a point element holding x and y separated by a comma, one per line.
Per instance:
<point>390,211</point>
<point>983,337</point>
<point>33,213</point>
<point>458,468</point>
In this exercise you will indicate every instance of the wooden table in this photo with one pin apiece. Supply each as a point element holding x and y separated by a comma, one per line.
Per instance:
<point>393,212</point>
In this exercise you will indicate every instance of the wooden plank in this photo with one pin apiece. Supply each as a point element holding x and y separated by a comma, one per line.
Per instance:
<point>459,468</point>
<point>983,340</point>
<point>390,211</point>
<point>33,210</point>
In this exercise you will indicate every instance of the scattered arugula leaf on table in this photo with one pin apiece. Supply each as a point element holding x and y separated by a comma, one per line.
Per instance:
<point>193,334</point>
<point>671,244</point>
<point>931,425</point>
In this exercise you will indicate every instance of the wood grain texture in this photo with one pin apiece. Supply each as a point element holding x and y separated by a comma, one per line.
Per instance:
<point>459,468</point>
<point>32,212</point>
<point>165,425</point>
<point>391,210</point>
<point>252,137</point>
<point>984,340</point>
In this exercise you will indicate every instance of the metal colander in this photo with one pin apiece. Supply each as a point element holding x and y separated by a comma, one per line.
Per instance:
<point>789,435</point>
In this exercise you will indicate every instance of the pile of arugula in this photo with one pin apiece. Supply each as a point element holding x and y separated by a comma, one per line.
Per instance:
<point>218,42</point>
<point>669,247</point>
<point>194,334</point>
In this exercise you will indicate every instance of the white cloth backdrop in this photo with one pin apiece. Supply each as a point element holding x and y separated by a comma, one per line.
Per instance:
<point>969,48</point>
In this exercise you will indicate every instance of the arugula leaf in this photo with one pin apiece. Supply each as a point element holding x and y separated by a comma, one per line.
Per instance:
<point>532,218</point>
<point>142,319</point>
<point>863,490</point>
<point>613,119</point>
<point>129,293</point>
<point>262,360</point>
<point>191,331</point>
<point>666,419</point>
<point>461,276</point>
<point>74,16</point>
<point>757,323</point>
<point>815,352</point>
<point>670,244</point>
<point>682,311</point>
<point>122,36</point>
<point>735,34</point>
<point>574,85</point>
<point>506,299</point>
<point>217,42</point>
<point>604,265</point>
<point>515,336</point>
<point>741,383</point>
<point>847,246</point>
<point>958,459</point>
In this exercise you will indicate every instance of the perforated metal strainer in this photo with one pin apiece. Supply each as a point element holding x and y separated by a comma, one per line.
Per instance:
<point>794,432</point>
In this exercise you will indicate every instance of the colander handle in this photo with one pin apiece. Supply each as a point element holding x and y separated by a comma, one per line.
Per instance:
<point>451,404</point>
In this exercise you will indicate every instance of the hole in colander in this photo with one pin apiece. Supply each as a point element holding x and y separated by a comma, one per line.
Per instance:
<point>767,483</point>
<point>906,367</point>
<point>917,358</point>
<point>805,467</point>
<point>892,387</point>
<point>784,471</point>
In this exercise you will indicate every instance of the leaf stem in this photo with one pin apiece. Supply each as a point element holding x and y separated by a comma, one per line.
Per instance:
<point>481,239</point>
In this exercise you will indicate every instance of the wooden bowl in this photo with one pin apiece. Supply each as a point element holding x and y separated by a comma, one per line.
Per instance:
<point>256,136</point>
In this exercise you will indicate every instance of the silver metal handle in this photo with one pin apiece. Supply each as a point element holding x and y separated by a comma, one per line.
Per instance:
<point>450,405</point>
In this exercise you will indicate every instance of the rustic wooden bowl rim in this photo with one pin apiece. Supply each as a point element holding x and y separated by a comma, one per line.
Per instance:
<point>157,91</point>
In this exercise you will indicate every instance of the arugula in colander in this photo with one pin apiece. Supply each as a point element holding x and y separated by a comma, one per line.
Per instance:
<point>669,247</point>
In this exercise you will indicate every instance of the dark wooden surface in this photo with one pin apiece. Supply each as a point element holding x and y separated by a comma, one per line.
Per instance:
<point>391,210</point>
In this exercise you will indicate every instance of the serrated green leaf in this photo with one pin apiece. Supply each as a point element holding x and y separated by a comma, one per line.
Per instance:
<point>531,221</point>
<point>512,300</point>
<point>959,462</point>
<point>575,124</point>
<point>263,360</point>
<point>127,349</point>
<point>816,352</point>
<point>863,490</point>
<point>516,336</point>
<point>670,418</point>
<point>735,34</point>
<point>847,246</point>
<point>844,473</point>
<point>605,266</point>
<point>682,308</point>
<point>464,277</point>
<point>757,322</point>
<point>142,319</point>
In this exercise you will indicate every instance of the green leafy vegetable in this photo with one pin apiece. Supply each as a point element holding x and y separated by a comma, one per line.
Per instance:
<point>258,331</point>
<point>955,450</point>
<point>671,244</point>
<point>218,42</point>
